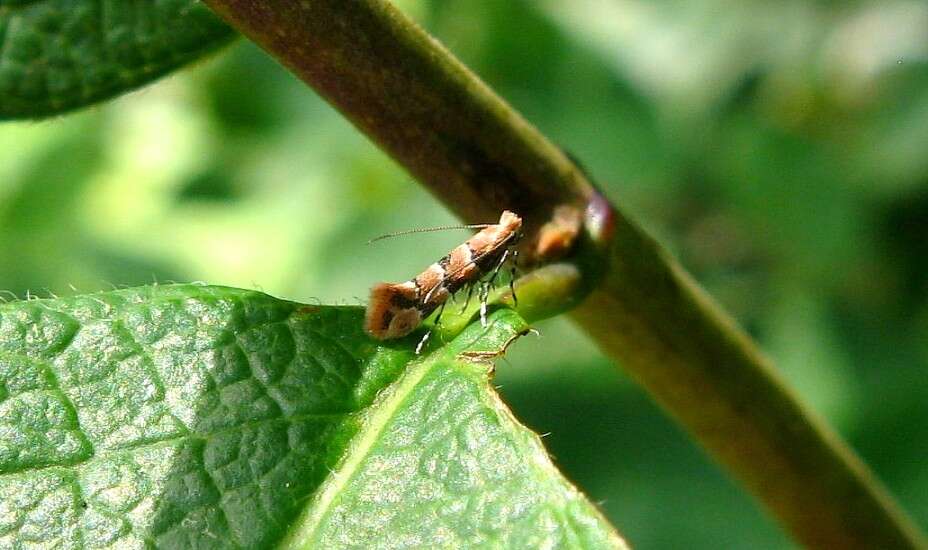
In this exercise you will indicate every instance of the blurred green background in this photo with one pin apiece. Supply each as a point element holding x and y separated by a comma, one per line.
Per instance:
<point>779,150</point>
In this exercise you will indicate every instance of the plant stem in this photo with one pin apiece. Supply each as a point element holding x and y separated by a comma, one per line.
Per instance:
<point>479,156</point>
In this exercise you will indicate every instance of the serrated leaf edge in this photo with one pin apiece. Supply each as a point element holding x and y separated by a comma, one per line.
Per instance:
<point>542,460</point>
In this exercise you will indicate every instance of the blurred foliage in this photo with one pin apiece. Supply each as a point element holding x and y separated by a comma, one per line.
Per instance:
<point>777,149</point>
<point>60,55</point>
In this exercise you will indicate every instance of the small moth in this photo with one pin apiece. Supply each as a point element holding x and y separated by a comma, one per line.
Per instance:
<point>396,309</point>
<point>558,236</point>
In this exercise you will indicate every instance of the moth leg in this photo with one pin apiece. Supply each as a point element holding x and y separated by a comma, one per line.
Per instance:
<point>428,295</point>
<point>441,309</point>
<point>422,342</point>
<point>470,292</point>
<point>499,266</point>
<point>484,296</point>
<point>486,285</point>
<point>512,278</point>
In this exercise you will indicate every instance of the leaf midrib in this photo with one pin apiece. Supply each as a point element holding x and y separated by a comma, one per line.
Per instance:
<point>377,416</point>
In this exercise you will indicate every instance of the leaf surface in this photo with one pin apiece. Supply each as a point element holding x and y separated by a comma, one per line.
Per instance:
<point>58,55</point>
<point>191,416</point>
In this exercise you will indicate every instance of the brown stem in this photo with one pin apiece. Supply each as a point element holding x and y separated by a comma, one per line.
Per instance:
<point>435,117</point>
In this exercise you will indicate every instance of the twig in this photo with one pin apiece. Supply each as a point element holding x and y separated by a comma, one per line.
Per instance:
<point>434,116</point>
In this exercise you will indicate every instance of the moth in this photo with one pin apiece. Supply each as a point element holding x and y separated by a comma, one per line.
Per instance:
<point>396,309</point>
<point>558,236</point>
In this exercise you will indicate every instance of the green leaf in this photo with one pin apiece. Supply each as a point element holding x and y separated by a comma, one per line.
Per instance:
<point>192,416</point>
<point>58,55</point>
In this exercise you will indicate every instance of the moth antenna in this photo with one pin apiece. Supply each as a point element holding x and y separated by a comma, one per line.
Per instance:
<point>429,229</point>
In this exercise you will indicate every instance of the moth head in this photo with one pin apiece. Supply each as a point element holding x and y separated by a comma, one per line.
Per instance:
<point>510,221</point>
